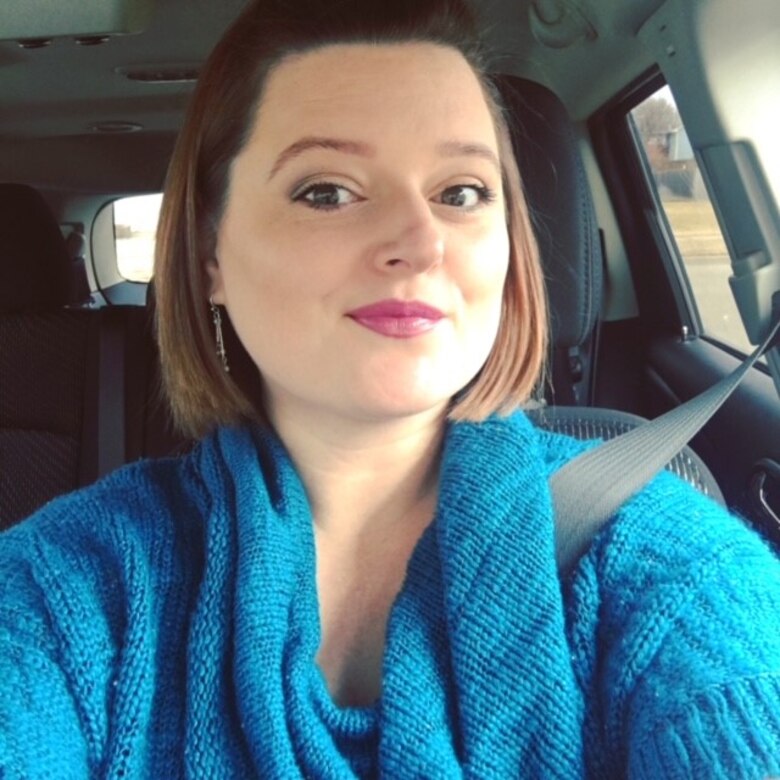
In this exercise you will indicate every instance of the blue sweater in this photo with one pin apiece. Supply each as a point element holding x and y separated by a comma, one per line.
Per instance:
<point>164,624</point>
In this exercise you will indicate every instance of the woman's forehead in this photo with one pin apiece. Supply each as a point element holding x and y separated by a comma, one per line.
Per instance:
<point>375,92</point>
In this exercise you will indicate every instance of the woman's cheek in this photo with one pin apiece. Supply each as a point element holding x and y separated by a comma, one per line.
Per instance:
<point>486,266</point>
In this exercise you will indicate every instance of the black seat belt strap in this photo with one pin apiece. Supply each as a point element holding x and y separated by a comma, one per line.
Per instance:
<point>111,392</point>
<point>589,489</point>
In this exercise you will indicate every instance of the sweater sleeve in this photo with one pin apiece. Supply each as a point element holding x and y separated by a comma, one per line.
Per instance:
<point>40,736</point>
<point>708,703</point>
<point>94,604</point>
<point>727,731</point>
<point>40,728</point>
<point>689,640</point>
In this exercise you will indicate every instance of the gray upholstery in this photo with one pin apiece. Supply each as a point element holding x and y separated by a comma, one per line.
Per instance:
<point>560,206</point>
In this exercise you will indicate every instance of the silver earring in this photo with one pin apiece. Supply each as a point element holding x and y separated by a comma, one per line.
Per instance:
<point>217,318</point>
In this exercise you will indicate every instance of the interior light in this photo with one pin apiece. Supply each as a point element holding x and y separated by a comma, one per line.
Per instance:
<point>115,127</point>
<point>34,43</point>
<point>161,74</point>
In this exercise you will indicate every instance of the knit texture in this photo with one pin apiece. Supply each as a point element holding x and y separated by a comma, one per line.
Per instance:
<point>164,623</point>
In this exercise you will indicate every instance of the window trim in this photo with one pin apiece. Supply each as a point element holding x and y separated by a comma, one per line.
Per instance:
<point>666,302</point>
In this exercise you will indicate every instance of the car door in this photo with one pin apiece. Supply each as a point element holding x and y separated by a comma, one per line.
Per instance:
<point>694,182</point>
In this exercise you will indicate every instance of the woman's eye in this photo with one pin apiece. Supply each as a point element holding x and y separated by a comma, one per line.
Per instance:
<point>324,196</point>
<point>466,196</point>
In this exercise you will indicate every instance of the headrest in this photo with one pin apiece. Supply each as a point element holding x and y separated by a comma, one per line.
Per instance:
<point>560,206</point>
<point>79,293</point>
<point>76,244</point>
<point>34,262</point>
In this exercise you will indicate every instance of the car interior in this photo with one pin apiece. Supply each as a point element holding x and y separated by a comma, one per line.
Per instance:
<point>646,141</point>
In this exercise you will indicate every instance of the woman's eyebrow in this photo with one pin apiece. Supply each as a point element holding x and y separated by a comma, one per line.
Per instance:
<point>317,142</point>
<point>468,149</point>
<point>445,149</point>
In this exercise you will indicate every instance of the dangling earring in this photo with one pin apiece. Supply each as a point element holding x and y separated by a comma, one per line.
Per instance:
<point>217,318</point>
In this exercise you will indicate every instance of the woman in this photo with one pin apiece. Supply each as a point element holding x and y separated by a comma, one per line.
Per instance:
<point>353,574</point>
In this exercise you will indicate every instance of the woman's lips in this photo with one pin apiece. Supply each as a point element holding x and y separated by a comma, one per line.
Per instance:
<point>397,319</point>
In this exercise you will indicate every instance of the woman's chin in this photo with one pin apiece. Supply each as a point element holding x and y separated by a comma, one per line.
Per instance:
<point>394,402</point>
<point>406,389</point>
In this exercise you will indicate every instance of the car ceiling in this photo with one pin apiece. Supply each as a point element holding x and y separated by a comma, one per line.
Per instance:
<point>52,97</point>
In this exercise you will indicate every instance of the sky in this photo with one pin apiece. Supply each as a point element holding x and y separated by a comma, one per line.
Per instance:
<point>140,212</point>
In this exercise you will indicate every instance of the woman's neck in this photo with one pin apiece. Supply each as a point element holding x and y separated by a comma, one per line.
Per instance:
<point>373,491</point>
<point>364,477</point>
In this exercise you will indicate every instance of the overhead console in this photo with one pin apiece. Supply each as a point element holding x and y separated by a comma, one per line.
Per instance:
<point>43,20</point>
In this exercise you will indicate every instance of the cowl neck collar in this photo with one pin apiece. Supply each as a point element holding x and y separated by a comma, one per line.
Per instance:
<point>476,680</point>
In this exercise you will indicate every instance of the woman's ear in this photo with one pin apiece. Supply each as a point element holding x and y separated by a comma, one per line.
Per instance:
<point>216,288</point>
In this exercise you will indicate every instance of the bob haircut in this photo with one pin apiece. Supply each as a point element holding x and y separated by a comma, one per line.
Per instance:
<point>218,123</point>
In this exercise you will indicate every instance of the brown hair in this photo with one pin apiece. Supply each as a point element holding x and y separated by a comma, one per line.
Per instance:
<point>219,120</point>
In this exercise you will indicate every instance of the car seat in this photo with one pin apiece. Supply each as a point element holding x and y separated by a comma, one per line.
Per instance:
<point>564,220</point>
<point>63,405</point>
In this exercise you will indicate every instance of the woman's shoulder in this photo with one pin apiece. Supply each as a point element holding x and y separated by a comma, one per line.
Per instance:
<point>677,605</point>
<point>149,516</point>
<point>668,538</point>
<point>503,438</point>
<point>669,529</point>
<point>673,615</point>
<point>131,495</point>
<point>94,598</point>
<point>666,517</point>
<point>92,547</point>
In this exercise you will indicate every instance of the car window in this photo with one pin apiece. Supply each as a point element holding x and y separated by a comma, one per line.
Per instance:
<point>135,224</point>
<point>694,231</point>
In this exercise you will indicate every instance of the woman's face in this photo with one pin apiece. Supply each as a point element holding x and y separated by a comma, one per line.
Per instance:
<point>363,247</point>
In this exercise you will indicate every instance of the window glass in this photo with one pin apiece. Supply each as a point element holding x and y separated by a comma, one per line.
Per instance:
<point>691,218</point>
<point>135,223</point>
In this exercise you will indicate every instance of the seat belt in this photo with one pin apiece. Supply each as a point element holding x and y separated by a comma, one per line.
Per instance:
<point>111,392</point>
<point>589,489</point>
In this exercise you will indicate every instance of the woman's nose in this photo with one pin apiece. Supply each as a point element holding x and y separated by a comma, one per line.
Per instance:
<point>413,239</point>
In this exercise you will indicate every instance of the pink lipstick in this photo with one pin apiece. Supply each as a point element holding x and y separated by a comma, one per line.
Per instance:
<point>397,319</point>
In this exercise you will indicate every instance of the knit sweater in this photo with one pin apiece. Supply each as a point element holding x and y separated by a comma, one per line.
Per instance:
<point>164,624</point>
